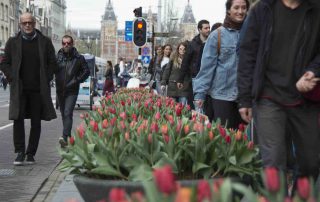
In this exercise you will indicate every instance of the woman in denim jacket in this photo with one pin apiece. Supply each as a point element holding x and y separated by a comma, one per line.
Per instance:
<point>218,71</point>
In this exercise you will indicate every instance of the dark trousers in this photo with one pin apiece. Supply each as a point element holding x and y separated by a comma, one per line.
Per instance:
<point>227,112</point>
<point>67,104</point>
<point>274,122</point>
<point>30,105</point>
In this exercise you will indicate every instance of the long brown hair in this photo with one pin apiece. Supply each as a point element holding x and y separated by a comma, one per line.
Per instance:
<point>177,57</point>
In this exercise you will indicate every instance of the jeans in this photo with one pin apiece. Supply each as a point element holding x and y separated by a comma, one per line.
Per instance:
<point>183,100</point>
<point>274,122</point>
<point>67,104</point>
<point>30,106</point>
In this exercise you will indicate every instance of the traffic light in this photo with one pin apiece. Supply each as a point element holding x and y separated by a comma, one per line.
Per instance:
<point>140,32</point>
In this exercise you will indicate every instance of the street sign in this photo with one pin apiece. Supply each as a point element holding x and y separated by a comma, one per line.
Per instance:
<point>145,59</point>
<point>161,34</point>
<point>146,50</point>
<point>128,31</point>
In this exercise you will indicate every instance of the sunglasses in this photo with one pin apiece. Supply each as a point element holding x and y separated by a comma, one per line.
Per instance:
<point>26,23</point>
<point>66,43</point>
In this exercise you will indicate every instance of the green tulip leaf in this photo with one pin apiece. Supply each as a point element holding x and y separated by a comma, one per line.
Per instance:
<point>246,157</point>
<point>233,160</point>
<point>106,171</point>
<point>142,172</point>
<point>198,166</point>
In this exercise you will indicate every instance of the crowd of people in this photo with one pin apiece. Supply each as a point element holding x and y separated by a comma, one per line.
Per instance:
<point>254,68</point>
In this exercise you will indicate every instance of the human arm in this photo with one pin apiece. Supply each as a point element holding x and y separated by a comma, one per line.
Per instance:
<point>166,73</point>
<point>246,114</point>
<point>84,71</point>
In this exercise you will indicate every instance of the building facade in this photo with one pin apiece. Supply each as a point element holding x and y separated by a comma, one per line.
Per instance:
<point>188,24</point>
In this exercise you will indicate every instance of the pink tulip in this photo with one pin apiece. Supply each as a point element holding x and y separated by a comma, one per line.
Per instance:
<point>71,140</point>
<point>303,187</point>
<point>164,179</point>
<point>203,191</point>
<point>272,179</point>
<point>117,195</point>
<point>157,116</point>
<point>94,125</point>
<point>104,123</point>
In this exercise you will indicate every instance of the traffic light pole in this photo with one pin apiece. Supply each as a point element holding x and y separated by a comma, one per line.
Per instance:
<point>139,56</point>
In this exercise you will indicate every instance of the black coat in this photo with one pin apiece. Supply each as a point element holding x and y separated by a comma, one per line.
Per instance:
<point>72,70</point>
<point>11,65</point>
<point>169,77</point>
<point>255,49</point>
<point>190,62</point>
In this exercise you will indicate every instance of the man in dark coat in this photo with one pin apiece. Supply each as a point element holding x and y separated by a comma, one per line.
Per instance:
<point>279,62</point>
<point>72,70</point>
<point>28,64</point>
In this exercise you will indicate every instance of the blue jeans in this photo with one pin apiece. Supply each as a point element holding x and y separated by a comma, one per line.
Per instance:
<point>183,100</point>
<point>67,104</point>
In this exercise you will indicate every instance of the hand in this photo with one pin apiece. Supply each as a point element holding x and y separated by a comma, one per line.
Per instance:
<point>180,85</point>
<point>246,114</point>
<point>307,82</point>
<point>198,103</point>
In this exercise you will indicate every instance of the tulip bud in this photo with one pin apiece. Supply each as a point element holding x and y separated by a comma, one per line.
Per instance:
<point>134,117</point>
<point>166,138</point>
<point>184,195</point>
<point>154,127</point>
<point>164,129</point>
<point>164,179</point>
<point>117,195</point>
<point>123,115</point>
<point>203,191</point>
<point>186,129</point>
<point>94,108</point>
<point>71,140</point>
<point>238,135</point>
<point>81,131</point>
<point>241,127</point>
<point>104,123</point>
<point>82,116</point>
<point>250,145</point>
<point>127,136</point>
<point>157,116</point>
<point>211,136</point>
<point>94,125</point>
<point>272,179</point>
<point>150,138</point>
<point>222,131</point>
<point>228,139</point>
<point>303,187</point>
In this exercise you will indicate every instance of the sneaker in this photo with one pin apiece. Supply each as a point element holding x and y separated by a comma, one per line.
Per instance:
<point>62,142</point>
<point>30,159</point>
<point>19,160</point>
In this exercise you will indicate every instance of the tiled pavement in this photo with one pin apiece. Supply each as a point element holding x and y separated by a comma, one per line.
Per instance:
<point>22,183</point>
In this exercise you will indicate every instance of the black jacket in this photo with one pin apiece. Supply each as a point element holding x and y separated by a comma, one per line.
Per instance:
<point>190,62</point>
<point>255,49</point>
<point>11,65</point>
<point>72,70</point>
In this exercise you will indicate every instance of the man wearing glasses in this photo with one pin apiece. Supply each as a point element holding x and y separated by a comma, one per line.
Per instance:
<point>29,62</point>
<point>72,70</point>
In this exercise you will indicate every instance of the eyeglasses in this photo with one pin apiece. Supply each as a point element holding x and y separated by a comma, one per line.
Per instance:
<point>26,23</point>
<point>66,43</point>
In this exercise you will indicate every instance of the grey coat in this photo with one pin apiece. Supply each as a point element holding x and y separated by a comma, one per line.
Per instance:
<point>11,67</point>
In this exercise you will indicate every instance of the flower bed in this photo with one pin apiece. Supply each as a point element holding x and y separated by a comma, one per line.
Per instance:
<point>135,131</point>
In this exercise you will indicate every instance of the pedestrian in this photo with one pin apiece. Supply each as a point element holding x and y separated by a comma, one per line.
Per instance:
<point>171,73</point>
<point>28,64</point>
<point>279,62</point>
<point>152,66</point>
<point>190,63</point>
<point>116,70</point>
<point>108,83</point>
<point>122,69</point>
<point>4,82</point>
<point>72,70</point>
<point>161,65</point>
<point>218,73</point>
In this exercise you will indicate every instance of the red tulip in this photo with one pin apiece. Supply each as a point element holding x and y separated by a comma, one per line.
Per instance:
<point>117,195</point>
<point>241,127</point>
<point>137,197</point>
<point>113,121</point>
<point>122,125</point>
<point>154,127</point>
<point>164,179</point>
<point>303,187</point>
<point>203,191</point>
<point>134,117</point>
<point>81,131</point>
<point>166,138</point>
<point>122,103</point>
<point>228,139</point>
<point>157,116</point>
<point>272,179</point>
<point>250,145</point>
<point>209,125</point>
<point>222,131</point>
<point>71,140</point>
<point>94,125</point>
<point>179,125</point>
<point>288,199</point>
<point>105,123</point>
<point>123,115</point>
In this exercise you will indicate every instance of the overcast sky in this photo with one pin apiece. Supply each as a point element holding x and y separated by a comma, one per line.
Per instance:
<point>87,13</point>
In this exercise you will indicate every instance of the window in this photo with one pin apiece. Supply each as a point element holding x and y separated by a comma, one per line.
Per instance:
<point>6,14</point>
<point>2,11</point>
